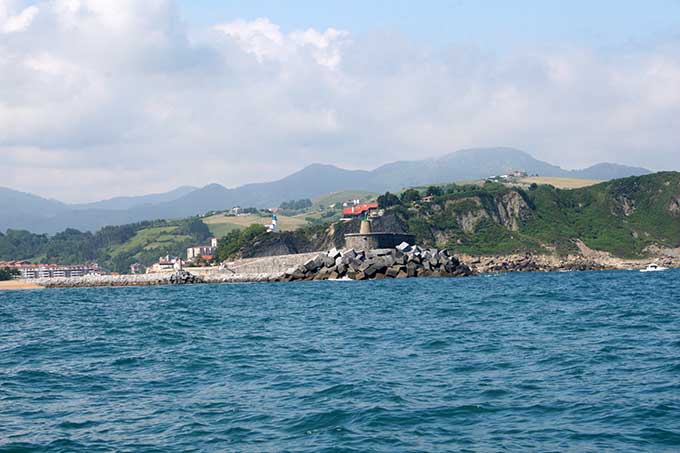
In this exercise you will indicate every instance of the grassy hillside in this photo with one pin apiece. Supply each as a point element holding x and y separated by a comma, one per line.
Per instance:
<point>148,244</point>
<point>339,197</point>
<point>220,225</point>
<point>114,248</point>
<point>560,183</point>
<point>624,217</point>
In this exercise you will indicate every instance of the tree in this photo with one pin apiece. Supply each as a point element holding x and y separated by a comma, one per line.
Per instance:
<point>296,205</point>
<point>434,191</point>
<point>198,230</point>
<point>8,274</point>
<point>232,243</point>
<point>410,196</point>
<point>387,200</point>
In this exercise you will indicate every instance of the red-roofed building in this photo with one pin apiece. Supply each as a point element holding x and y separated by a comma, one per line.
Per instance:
<point>357,210</point>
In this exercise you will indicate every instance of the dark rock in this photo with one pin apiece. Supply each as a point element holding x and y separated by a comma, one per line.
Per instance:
<point>311,265</point>
<point>411,269</point>
<point>392,272</point>
<point>351,254</point>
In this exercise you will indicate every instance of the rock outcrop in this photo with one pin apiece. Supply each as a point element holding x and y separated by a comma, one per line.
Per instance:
<point>403,262</point>
<point>512,209</point>
<point>674,206</point>
<point>533,263</point>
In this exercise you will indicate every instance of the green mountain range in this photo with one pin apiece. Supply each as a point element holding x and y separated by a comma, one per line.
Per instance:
<point>40,215</point>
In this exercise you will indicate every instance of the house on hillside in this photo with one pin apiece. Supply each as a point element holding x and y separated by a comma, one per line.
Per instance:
<point>166,264</point>
<point>352,212</point>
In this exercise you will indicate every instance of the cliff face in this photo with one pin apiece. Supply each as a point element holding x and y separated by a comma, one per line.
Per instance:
<point>674,206</point>
<point>508,210</point>
<point>512,210</point>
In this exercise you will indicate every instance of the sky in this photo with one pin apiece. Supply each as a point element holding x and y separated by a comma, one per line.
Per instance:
<point>102,98</point>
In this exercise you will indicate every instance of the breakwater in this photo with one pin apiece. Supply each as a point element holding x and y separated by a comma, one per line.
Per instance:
<point>405,261</point>
<point>88,281</point>
<point>160,279</point>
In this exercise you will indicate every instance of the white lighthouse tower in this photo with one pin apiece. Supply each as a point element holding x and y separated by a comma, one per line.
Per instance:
<point>274,226</point>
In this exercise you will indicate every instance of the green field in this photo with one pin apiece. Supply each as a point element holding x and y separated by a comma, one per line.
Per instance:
<point>220,225</point>
<point>151,239</point>
<point>339,197</point>
<point>560,183</point>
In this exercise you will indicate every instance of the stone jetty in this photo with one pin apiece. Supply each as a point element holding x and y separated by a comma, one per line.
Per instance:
<point>404,261</point>
<point>92,281</point>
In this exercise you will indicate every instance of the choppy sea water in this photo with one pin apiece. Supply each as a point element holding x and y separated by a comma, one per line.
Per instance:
<point>518,362</point>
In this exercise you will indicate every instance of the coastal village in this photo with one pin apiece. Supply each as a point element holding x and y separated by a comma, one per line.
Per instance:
<point>196,256</point>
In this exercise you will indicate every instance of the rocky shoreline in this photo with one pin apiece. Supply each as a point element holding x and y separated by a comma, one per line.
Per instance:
<point>553,263</point>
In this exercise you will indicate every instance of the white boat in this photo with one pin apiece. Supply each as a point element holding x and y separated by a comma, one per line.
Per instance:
<point>654,268</point>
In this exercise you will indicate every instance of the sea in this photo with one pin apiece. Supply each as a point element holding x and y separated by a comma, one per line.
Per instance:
<point>582,362</point>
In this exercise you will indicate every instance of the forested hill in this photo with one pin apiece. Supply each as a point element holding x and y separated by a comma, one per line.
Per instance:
<point>626,217</point>
<point>114,248</point>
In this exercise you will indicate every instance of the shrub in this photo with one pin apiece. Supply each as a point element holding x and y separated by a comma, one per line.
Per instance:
<point>387,200</point>
<point>8,274</point>
<point>410,196</point>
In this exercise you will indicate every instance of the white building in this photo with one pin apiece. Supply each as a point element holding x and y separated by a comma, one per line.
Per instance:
<point>166,264</point>
<point>31,271</point>
<point>194,253</point>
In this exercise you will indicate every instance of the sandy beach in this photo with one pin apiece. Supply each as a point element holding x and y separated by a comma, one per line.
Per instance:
<point>14,285</point>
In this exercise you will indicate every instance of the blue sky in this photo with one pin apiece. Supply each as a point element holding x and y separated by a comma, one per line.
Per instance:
<point>491,24</point>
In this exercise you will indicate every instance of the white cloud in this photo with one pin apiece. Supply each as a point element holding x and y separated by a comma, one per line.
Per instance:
<point>106,97</point>
<point>12,21</point>
<point>265,40</point>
